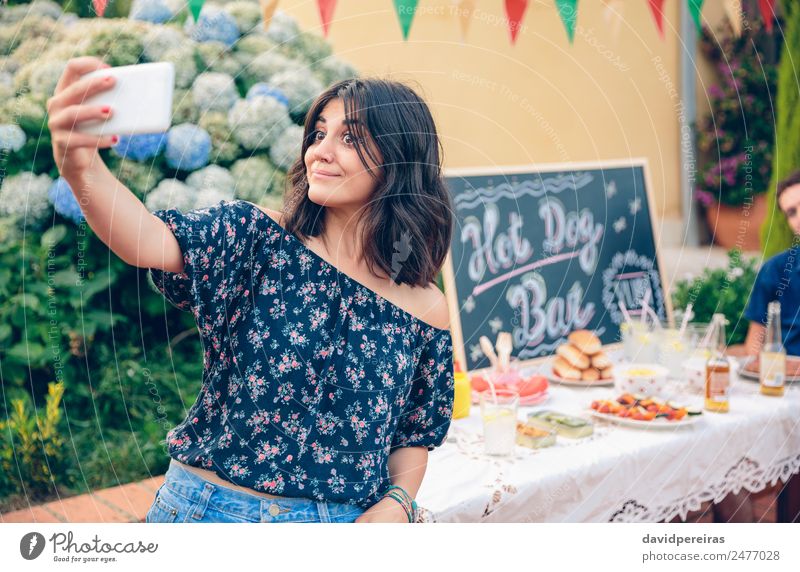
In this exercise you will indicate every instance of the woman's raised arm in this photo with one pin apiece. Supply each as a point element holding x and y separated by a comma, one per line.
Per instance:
<point>118,218</point>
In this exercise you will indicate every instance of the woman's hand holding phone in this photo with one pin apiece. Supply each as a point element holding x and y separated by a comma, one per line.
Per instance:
<point>74,151</point>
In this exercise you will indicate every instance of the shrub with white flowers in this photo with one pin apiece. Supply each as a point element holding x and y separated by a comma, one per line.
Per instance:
<point>24,197</point>
<point>257,122</point>
<point>256,177</point>
<point>161,39</point>
<point>170,194</point>
<point>299,86</point>
<point>286,149</point>
<point>217,57</point>
<point>214,92</point>
<point>210,196</point>
<point>138,177</point>
<point>212,177</point>
<point>283,29</point>
<point>224,147</point>
<point>266,65</point>
<point>262,89</point>
<point>246,14</point>
<point>240,94</point>
<point>12,137</point>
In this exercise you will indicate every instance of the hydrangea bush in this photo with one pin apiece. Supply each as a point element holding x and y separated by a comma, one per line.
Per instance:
<point>241,90</point>
<point>240,94</point>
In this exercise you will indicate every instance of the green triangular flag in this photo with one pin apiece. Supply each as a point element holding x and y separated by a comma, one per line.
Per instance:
<point>568,10</point>
<point>695,8</point>
<point>406,10</point>
<point>196,6</point>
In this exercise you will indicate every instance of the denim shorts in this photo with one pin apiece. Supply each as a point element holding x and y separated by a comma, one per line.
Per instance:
<point>188,497</point>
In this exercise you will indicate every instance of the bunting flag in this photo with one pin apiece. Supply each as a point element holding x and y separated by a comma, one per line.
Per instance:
<point>657,8</point>
<point>767,8</point>
<point>196,6</point>
<point>465,9</point>
<point>568,10</point>
<point>696,9</point>
<point>515,10</point>
<point>326,8</point>
<point>733,9</point>
<point>613,11</point>
<point>267,10</point>
<point>406,10</point>
<point>100,7</point>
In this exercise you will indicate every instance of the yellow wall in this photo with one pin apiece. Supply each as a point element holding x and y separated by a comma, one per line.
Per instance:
<point>609,95</point>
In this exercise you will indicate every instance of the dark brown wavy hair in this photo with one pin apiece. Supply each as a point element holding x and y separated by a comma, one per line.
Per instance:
<point>407,224</point>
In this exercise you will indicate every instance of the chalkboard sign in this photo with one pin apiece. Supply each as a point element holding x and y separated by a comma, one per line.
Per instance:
<point>541,251</point>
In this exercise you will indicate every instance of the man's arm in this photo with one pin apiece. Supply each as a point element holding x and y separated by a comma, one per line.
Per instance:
<point>755,338</point>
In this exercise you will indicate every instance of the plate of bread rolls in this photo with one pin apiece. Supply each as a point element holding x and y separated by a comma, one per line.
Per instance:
<point>581,361</point>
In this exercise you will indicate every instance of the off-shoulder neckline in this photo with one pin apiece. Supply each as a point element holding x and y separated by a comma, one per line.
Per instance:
<point>346,276</point>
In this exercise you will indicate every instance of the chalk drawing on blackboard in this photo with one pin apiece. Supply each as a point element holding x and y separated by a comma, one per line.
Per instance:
<point>530,255</point>
<point>628,279</point>
<point>474,197</point>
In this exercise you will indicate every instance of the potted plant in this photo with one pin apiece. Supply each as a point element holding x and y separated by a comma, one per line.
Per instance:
<point>736,139</point>
<point>720,290</point>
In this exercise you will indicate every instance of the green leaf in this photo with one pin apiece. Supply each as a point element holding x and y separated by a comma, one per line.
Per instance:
<point>26,352</point>
<point>68,278</point>
<point>53,236</point>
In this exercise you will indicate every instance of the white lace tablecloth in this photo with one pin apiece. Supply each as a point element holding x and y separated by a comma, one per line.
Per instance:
<point>620,474</point>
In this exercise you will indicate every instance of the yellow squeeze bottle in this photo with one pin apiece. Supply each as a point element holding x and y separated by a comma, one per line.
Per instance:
<point>463,393</point>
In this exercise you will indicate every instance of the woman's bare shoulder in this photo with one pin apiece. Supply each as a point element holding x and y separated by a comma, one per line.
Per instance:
<point>277,216</point>
<point>433,307</point>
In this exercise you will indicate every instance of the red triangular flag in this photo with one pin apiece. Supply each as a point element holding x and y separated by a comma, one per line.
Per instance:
<point>326,8</point>
<point>100,7</point>
<point>515,9</point>
<point>657,8</point>
<point>767,8</point>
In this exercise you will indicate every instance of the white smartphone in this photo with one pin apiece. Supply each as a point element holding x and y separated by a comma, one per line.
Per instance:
<point>140,101</point>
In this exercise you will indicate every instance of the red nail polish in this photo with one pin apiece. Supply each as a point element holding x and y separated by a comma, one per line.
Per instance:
<point>106,109</point>
<point>114,139</point>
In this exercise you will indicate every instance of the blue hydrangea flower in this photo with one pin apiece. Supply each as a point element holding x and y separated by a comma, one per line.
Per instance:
<point>140,147</point>
<point>62,199</point>
<point>262,89</point>
<point>12,137</point>
<point>214,25</point>
<point>155,11</point>
<point>188,147</point>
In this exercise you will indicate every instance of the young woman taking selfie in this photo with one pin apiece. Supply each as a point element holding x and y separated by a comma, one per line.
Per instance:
<point>327,356</point>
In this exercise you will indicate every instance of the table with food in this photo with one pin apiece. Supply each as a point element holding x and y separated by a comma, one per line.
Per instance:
<point>645,430</point>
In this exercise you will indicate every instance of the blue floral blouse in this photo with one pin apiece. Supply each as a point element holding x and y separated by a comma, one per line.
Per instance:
<point>310,380</point>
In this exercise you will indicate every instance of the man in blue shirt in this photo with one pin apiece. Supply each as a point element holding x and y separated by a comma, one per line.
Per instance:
<point>779,279</point>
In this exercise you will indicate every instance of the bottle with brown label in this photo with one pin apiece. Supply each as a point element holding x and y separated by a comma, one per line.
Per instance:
<point>772,361</point>
<point>718,370</point>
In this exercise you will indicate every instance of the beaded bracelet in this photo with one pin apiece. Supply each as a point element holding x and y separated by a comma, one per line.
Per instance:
<point>403,503</point>
<point>407,502</point>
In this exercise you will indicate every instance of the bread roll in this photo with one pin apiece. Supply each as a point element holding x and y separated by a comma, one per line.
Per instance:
<point>585,341</point>
<point>590,374</point>
<point>573,356</point>
<point>601,361</point>
<point>564,370</point>
<point>607,373</point>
